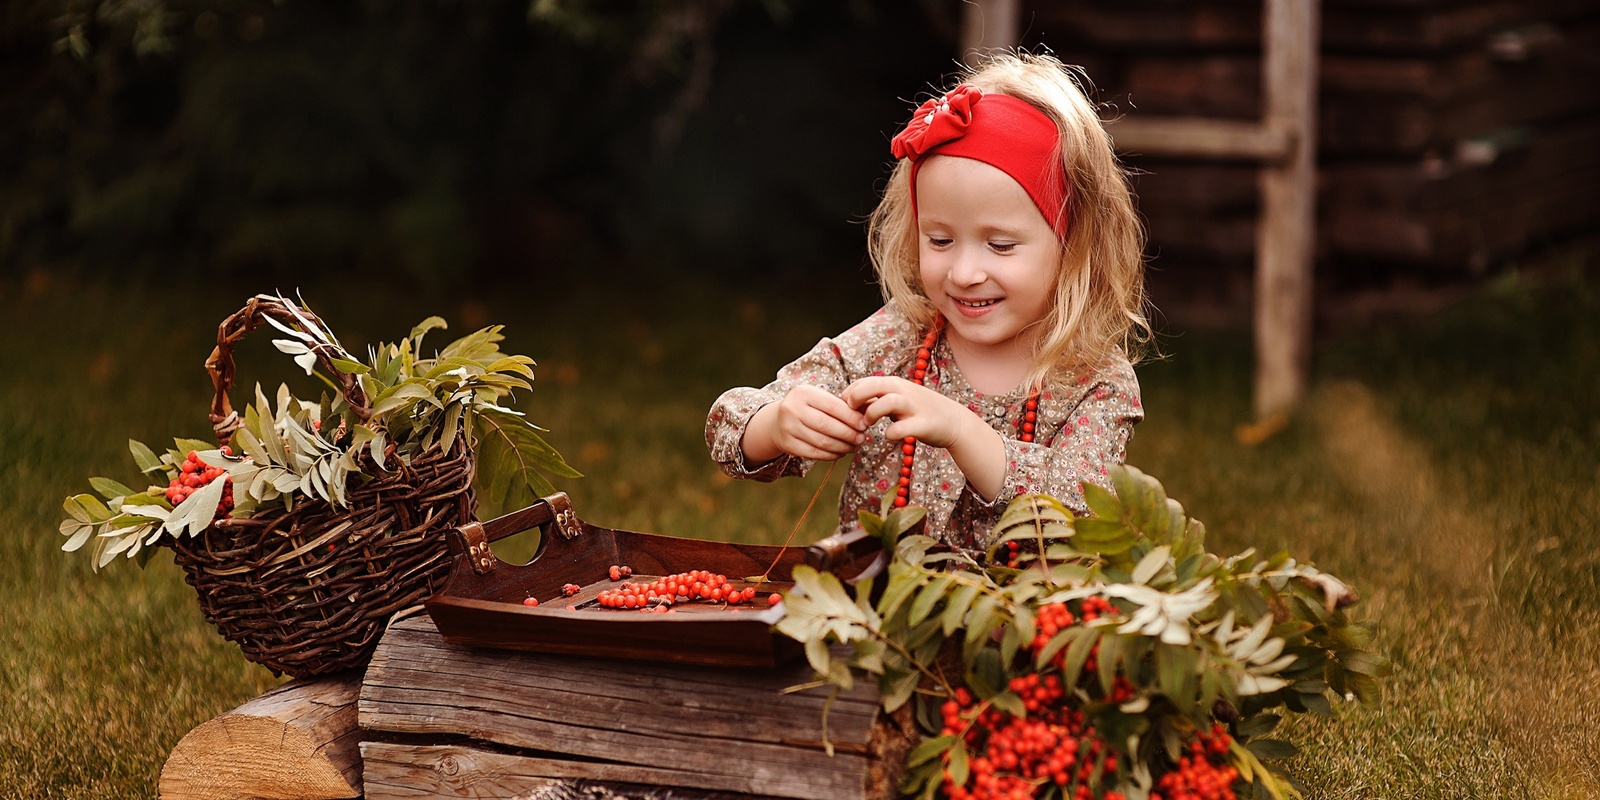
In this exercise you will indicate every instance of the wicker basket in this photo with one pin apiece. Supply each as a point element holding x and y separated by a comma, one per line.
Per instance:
<point>309,591</point>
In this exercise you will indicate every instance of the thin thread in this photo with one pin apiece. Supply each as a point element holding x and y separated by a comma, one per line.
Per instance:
<point>801,521</point>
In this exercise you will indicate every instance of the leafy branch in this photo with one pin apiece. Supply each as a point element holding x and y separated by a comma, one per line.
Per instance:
<point>1162,634</point>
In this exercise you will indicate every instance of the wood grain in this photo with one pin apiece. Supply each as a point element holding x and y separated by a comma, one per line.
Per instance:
<point>704,728</point>
<point>299,741</point>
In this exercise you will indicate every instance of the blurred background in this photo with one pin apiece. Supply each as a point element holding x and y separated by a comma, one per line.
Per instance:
<point>664,198</point>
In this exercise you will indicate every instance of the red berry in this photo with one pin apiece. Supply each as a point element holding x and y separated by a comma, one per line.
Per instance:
<point>615,572</point>
<point>531,601</point>
<point>774,599</point>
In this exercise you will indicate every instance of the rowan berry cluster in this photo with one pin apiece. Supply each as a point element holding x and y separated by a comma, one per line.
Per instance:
<point>194,474</point>
<point>1203,774</point>
<point>1014,758</point>
<point>658,595</point>
<point>1056,617</point>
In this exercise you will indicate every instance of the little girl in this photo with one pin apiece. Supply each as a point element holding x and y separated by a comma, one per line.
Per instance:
<point>1011,263</point>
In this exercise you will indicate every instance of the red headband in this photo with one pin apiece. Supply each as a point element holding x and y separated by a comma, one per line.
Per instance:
<point>999,130</point>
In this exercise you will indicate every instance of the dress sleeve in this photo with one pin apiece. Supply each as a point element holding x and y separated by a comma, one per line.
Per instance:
<point>831,365</point>
<point>1092,438</point>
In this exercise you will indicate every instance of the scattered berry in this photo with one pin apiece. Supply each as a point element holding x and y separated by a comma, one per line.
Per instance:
<point>571,589</point>
<point>531,601</point>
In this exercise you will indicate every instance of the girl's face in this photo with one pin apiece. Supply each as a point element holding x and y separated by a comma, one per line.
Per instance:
<point>988,257</point>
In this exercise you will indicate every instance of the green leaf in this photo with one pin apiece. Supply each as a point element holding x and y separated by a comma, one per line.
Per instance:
<point>349,367</point>
<point>1175,673</point>
<point>1258,725</point>
<point>986,676</point>
<point>143,456</point>
<point>1271,748</point>
<point>1078,654</point>
<point>1363,663</point>
<point>1316,703</point>
<point>955,612</point>
<point>981,622</point>
<point>929,749</point>
<point>900,588</point>
<point>1152,563</point>
<point>1102,503</point>
<point>870,522</point>
<point>1055,644</point>
<point>1108,659</point>
<point>928,598</point>
<point>421,328</point>
<point>197,445</point>
<point>196,513</point>
<point>958,763</point>
<point>1010,703</point>
<point>75,508</point>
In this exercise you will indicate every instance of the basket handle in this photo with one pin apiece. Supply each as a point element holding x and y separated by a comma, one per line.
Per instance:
<point>224,420</point>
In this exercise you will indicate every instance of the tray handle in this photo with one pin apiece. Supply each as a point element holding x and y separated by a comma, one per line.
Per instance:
<point>473,538</point>
<point>845,550</point>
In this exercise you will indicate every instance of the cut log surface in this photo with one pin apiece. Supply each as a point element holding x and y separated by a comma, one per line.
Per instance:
<point>299,741</point>
<point>569,718</point>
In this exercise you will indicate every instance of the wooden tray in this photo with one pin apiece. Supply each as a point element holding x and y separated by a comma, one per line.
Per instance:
<point>481,603</point>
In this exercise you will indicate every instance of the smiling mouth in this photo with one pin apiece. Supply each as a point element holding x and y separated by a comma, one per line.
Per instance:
<point>976,303</point>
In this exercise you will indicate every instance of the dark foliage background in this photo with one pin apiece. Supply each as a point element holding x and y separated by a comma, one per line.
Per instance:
<point>451,142</point>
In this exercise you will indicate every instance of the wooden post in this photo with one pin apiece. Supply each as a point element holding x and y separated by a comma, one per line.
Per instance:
<point>1286,236</point>
<point>989,25</point>
<point>297,742</point>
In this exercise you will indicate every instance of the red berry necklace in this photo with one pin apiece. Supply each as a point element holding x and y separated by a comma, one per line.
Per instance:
<point>919,373</point>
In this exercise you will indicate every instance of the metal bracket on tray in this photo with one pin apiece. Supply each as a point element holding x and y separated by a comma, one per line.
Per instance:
<point>473,538</point>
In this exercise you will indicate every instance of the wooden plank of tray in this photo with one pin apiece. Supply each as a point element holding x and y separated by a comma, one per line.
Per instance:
<point>721,729</point>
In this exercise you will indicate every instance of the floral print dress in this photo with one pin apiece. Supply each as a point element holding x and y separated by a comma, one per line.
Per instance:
<point>1084,420</point>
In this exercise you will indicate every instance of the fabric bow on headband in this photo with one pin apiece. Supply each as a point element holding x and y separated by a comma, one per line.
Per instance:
<point>999,130</point>
<point>937,121</point>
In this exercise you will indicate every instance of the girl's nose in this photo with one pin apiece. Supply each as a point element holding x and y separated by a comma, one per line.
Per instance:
<point>966,268</point>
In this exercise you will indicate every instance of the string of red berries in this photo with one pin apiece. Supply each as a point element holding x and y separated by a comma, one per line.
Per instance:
<point>919,374</point>
<point>194,474</point>
<point>1013,758</point>
<point>659,594</point>
<point>1203,774</point>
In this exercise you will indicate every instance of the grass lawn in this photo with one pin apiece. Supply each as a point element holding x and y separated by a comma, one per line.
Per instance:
<point>1448,468</point>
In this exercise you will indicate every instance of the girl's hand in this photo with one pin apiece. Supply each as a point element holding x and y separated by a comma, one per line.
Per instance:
<point>936,420</point>
<point>916,410</point>
<point>808,422</point>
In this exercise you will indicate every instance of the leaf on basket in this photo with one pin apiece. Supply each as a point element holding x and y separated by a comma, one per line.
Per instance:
<point>195,514</point>
<point>511,461</point>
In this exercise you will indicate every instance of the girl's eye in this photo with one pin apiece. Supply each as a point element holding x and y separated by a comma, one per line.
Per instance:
<point>939,241</point>
<point>1002,247</point>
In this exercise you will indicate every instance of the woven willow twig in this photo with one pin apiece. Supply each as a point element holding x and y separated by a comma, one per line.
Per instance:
<point>308,591</point>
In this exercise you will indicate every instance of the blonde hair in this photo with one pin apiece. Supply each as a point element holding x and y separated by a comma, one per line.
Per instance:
<point>1099,302</point>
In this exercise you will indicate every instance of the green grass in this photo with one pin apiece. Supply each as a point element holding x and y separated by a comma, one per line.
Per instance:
<point>1448,468</point>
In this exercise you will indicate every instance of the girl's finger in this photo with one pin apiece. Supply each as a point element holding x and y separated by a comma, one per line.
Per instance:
<point>865,390</point>
<point>833,428</point>
<point>822,446</point>
<point>837,408</point>
<point>889,405</point>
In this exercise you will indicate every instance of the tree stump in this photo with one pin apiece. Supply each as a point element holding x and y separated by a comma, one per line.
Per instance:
<point>299,741</point>
<point>442,719</point>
